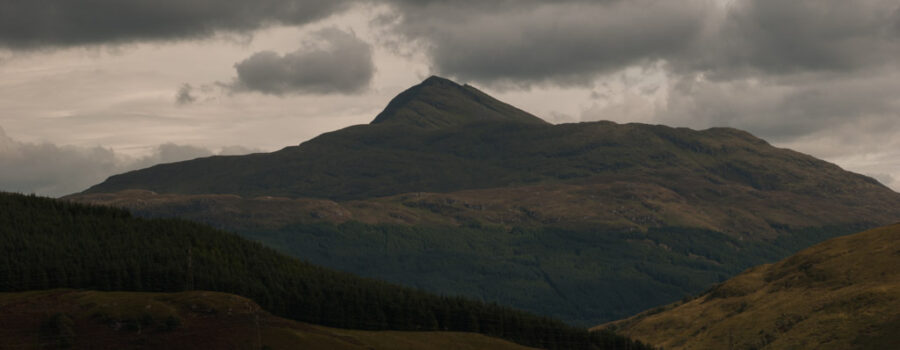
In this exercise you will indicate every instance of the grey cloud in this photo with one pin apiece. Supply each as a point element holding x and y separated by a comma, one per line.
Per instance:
<point>785,37</point>
<point>59,23</point>
<point>886,179</point>
<point>184,95</point>
<point>785,109</point>
<point>896,20</point>
<point>169,153</point>
<point>53,170</point>
<point>333,62</point>
<point>7,145</point>
<point>238,150</point>
<point>850,120</point>
<point>565,43</point>
<point>572,42</point>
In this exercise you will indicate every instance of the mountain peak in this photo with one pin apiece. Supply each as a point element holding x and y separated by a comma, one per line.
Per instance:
<point>436,80</point>
<point>438,102</point>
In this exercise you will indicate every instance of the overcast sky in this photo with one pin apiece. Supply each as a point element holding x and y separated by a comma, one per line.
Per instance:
<point>93,88</point>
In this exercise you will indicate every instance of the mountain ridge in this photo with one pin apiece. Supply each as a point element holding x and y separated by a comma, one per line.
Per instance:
<point>379,160</point>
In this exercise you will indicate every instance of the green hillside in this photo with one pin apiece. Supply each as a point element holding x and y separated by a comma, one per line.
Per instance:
<point>841,294</point>
<point>46,244</point>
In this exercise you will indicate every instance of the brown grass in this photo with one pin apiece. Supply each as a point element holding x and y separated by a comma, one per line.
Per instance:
<point>205,320</point>
<point>841,294</point>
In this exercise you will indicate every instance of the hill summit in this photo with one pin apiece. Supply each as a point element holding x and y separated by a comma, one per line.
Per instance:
<point>438,102</point>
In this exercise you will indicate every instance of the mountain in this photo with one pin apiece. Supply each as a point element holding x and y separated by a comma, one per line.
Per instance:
<point>840,294</point>
<point>78,319</point>
<point>48,244</point>
<point>454,192</point>
<point>475,142</point>
<point>439,103</point>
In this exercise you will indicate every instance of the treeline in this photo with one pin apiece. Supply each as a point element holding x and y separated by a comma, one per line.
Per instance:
<point>46,243</point>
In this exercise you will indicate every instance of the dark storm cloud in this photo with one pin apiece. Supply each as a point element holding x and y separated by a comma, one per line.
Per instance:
<point>575,41</point>
<point>798,36</point>
<point>787,70</point>
<point>55,23</point>
<point>535,42</point>
<point>334,62</point>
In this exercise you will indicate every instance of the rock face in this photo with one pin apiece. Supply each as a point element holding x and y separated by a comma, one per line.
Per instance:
<point>840,294</point>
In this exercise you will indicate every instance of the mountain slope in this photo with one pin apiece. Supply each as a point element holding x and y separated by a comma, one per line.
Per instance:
<point>189,320</point>
<point>497,147</point>
<point>451,191</point>
<point>840,294</point>
<point>47,244</point>
<point>728,180</point>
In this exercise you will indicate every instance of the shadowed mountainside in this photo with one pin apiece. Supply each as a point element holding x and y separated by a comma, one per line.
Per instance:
<point>840,294</point>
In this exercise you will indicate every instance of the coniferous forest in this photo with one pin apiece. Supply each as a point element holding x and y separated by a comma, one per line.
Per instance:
<point>46,243</point>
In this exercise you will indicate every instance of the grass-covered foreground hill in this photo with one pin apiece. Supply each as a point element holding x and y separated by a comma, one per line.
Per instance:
<point>840,294</point>
<point>48,244</point>
<point>72,319</point>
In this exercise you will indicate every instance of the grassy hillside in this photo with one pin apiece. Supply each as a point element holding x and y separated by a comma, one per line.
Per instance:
<point>189,320</point>
<point>841,294</point>
<point>46,244</point>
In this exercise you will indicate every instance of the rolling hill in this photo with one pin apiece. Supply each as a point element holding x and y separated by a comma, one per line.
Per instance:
<point>73,319</point>
<point>452,191</point>
<point>840,294</point>
<point>49,244</point>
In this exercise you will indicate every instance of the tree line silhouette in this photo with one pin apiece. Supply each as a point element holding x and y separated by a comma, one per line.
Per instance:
<point>47,243</point>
